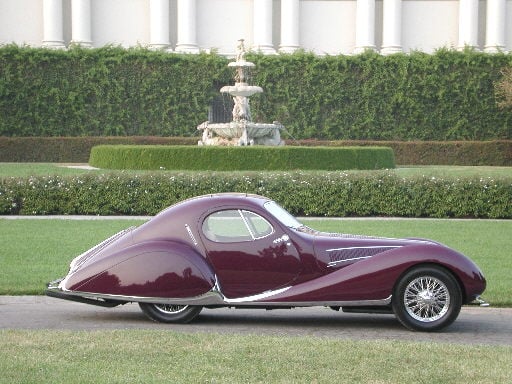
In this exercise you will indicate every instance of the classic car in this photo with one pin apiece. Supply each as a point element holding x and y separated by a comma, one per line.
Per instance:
<point>246,251</point>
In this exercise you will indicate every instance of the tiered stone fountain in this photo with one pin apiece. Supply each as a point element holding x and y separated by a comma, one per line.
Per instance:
<point>241,130</point>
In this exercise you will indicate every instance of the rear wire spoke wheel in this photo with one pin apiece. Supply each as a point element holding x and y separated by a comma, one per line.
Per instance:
<point>170,313</point>
<point>427,299</point>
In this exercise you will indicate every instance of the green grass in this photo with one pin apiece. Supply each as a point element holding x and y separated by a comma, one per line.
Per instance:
<point>37,251</point>
<point>37,169</point>
<point>50,169</point>
<point>167,357</point>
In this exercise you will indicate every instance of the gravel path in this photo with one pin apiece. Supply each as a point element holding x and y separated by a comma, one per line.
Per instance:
<point>475,325</point>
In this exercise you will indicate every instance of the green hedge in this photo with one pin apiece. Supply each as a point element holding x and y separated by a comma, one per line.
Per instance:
<point>113,91</point>
<point>200,158</point>
<point>493,153</point>
<point>72,149</point>
<point>303,193</point>
<point>77,149</point>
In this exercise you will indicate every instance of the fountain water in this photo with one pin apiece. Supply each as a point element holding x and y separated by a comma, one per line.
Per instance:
<point>241,130</point>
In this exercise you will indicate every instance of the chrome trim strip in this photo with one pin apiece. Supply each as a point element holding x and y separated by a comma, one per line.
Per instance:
<point>260,296</point>
<point>214,297</point>
<point>189,231</point>
<point>240,212</point>
<point>334,263</point>
<point>369,247</point>
<point>355,303</point>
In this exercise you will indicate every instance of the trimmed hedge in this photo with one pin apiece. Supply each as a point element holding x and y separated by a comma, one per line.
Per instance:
<point>200,158</point>
<point>77,149</point>
<point>72,149</point>
<point>303,193</point>
<point>112,91</point>
<point>492,153</point>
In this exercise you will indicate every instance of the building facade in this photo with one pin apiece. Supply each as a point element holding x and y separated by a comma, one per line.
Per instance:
<point>321,26</point>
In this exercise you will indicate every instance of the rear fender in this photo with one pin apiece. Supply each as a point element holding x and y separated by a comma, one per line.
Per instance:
<point>150,269</point>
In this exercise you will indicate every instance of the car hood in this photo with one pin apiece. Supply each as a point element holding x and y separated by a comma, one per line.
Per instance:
<point>336,249</point>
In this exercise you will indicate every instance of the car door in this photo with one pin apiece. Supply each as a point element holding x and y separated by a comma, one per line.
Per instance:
<point>250,255</point>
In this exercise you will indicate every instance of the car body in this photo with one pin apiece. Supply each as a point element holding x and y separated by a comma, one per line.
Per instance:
<point>245,251</point>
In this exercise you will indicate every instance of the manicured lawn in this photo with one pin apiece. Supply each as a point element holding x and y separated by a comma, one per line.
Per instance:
<point>37,169</point>
<point>35,251</point>
<point>133,356</point>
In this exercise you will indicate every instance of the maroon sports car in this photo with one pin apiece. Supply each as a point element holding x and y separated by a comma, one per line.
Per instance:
<point>245,251</point>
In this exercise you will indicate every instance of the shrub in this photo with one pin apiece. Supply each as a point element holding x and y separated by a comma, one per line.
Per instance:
<point>303,193</point>
<point>239,158</point>
<point>72,149</point>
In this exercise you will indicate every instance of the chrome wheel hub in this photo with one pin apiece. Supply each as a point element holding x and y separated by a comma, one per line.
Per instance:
<point>170,309</point>
<point>426,299</point>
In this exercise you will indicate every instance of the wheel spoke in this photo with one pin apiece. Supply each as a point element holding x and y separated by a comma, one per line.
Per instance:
<point>170,309</point>
<point>426,299</point>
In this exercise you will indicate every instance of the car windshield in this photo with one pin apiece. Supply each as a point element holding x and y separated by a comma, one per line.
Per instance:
<point>282,215</point>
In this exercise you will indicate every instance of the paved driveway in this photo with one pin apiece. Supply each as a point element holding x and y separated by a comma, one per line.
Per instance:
<point>490,326</point>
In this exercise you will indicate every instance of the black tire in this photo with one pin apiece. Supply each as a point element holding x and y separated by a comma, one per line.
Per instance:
<point>427,299</point>
<point>167,313</point>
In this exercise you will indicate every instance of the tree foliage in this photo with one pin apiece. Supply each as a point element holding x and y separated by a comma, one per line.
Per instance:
<point>504,89</point>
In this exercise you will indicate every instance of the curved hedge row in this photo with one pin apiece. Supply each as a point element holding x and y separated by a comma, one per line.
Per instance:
<point>113,91</point>
<point>201,158</point>
<point>303,193</point>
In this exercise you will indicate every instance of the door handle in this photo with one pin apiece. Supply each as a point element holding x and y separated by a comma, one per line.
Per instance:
<point>282,239</point>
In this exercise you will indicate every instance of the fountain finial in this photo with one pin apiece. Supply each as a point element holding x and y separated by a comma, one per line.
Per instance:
<point>240,51</point>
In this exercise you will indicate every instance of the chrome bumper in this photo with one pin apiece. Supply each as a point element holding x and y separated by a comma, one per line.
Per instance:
<point>480,302</point>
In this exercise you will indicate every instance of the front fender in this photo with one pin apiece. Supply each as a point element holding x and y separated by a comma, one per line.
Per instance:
<point>374,278</point>
<point>151,269</point>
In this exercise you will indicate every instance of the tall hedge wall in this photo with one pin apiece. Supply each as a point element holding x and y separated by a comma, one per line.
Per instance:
<point>113,91</point>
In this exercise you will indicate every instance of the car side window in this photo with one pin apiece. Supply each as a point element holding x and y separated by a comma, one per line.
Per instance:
<point>235,225</point>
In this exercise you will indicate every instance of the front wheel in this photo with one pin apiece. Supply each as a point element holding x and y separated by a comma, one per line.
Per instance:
<point>170,313</point>
<point>427,299</point>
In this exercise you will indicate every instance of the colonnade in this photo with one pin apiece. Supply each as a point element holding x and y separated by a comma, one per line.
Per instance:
<point>262,14</point>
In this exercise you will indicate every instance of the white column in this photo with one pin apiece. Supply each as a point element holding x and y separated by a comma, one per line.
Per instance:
<point>53,32</point>
<point>495,26</point>
<point>290,13</point>
<point>392,27</point>
<point>81,22</point>
<point>187,34</point>
<point>468,24</point>
<point>262,26</point>
<point>159,24</point>
<point>365,25</point>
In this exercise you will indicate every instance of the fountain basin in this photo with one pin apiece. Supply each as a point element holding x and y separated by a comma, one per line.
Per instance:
<point>241,133</point>
<point>241,90</point>
<point>241,63</point>
<point>236,129</point>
